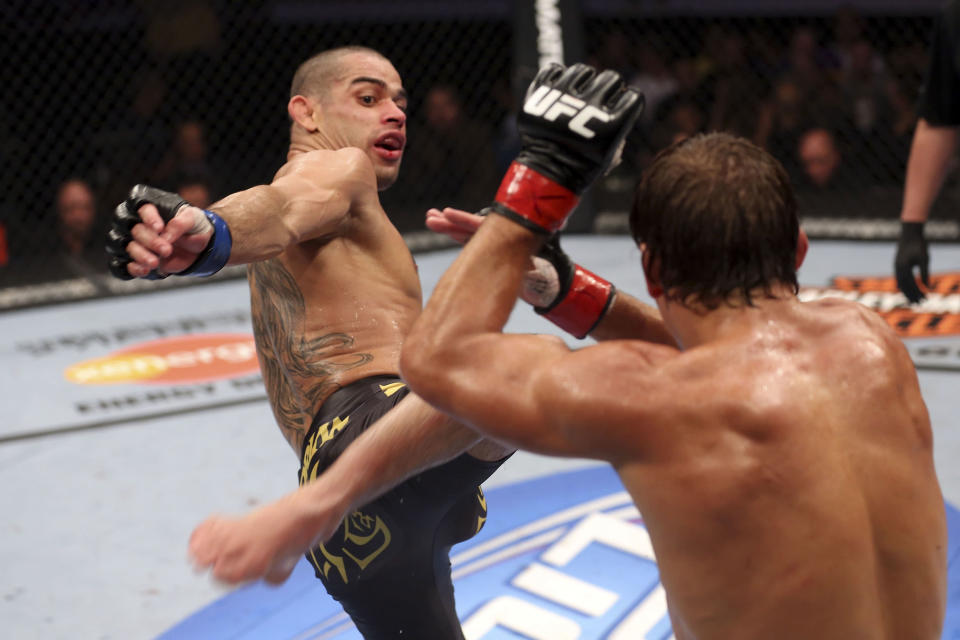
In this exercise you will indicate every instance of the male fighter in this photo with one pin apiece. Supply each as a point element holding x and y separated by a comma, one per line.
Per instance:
<point>332,300</point>
<point>334,291</point>
<point>781,455</point>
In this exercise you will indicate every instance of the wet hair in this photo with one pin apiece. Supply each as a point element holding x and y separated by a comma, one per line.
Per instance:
<point>314,74</point>
<point>718,219</point>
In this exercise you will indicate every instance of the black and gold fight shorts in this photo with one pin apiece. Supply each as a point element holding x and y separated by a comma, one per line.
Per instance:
<point>389,562</point>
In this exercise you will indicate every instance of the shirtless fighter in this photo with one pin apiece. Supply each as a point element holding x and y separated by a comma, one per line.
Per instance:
<point>781,453</point>
<point>334,291</point>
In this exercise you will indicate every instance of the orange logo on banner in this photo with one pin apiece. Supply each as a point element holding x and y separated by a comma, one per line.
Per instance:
<point>938,315</point>
<point>178,360</point>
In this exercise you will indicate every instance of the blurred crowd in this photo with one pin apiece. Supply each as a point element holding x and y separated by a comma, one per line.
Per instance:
<point>833,99</point>
<point>834,106</point>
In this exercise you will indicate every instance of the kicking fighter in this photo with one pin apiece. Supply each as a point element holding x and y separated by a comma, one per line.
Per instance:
<point>781,453</point>
<point>334,291</point>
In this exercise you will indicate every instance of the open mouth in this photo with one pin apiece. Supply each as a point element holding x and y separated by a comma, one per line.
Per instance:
<point>390,145</point>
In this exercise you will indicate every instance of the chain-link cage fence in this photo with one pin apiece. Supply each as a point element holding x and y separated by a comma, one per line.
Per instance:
<point>191,96</point>
<point>832,97</point>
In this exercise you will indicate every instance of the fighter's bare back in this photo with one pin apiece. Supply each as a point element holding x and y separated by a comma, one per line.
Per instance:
<point>777,481</point>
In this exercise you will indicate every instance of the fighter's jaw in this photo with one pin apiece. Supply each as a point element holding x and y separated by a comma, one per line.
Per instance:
<point>386,176</point>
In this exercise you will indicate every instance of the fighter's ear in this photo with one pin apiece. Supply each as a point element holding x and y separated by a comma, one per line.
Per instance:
<point>803,243</point>
<point>302,111</point>
<point>652,274</point>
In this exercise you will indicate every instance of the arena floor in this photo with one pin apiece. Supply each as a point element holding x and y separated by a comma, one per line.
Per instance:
<point>106,467</point>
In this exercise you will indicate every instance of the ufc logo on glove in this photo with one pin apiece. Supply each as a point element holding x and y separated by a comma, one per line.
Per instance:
<point>552,103</point>
<point>559,158</point>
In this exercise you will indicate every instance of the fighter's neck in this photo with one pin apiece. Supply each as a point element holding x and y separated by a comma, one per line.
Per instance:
<point>302,141</point>
<point>695,325</point>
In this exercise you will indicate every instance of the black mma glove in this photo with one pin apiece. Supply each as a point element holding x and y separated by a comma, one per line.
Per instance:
<point>580,298</point>
<point>126,216</point>
<point>573,126</point>
<point>912,253</point>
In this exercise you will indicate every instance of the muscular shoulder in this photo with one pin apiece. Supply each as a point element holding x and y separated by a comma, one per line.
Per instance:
<point>849,322</point>
<point>343,169</point>
<point>611,370</point>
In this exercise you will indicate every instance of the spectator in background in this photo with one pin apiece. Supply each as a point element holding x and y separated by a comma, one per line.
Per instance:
<point>821,160</point>
<point>828,185</point>
<point>451,157</point>
<point>784,116</point>
<point>684,120</point>
<point>848,30</point>
<point>811,70</point>
<point>188,155</point>
<point>79,233</point>
<point>654,78</point>
<point>681,114</point>
<point>689,88</point>
<point>617,52</point>
<point>135,133</point>
<point>808,64</point>
<point>732,80</point>
<point>712,51</point>
<point>863,86</point>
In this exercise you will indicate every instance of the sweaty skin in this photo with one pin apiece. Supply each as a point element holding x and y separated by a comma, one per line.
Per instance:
<point>334,291</point>
<point>781,458</point>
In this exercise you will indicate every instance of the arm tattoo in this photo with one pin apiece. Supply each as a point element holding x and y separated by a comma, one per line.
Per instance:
<point>296,371</point>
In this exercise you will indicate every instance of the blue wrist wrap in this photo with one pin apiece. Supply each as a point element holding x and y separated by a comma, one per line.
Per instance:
<point>217,253</point>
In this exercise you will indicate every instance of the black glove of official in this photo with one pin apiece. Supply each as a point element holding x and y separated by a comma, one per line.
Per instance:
<point>912,253</point>
<point>126,216</point>
<point>574,122</point>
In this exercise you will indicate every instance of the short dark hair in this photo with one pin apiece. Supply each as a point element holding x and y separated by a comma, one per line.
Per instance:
<point>718,219</point>
<point>314,74</point>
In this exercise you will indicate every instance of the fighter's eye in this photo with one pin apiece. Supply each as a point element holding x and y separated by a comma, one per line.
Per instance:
<point>368,100</point>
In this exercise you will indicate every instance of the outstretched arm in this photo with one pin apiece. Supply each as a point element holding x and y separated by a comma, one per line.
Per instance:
<point>529,391</point>
<point>268,542</point>
<point>625,318</point>
<point>156,232</point>
<point>518,388</point>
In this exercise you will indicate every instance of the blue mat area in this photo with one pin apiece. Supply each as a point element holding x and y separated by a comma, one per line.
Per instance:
<point>951,626</point>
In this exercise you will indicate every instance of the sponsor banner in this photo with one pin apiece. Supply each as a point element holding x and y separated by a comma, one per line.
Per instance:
<point>561,557</point>
<point>111,361</point>
<point>190,359</point>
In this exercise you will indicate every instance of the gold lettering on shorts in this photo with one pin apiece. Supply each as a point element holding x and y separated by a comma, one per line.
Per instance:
<point>392,388</point>
<point>324,433</point>
<point>481,519</point>
<point>365,537</point>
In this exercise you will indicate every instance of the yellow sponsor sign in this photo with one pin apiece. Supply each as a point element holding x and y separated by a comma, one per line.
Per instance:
<point>126,367</point>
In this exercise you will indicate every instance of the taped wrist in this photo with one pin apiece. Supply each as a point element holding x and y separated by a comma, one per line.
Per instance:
<point>217,253</point>
<point>584,303</point>
<point>533,200</point>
